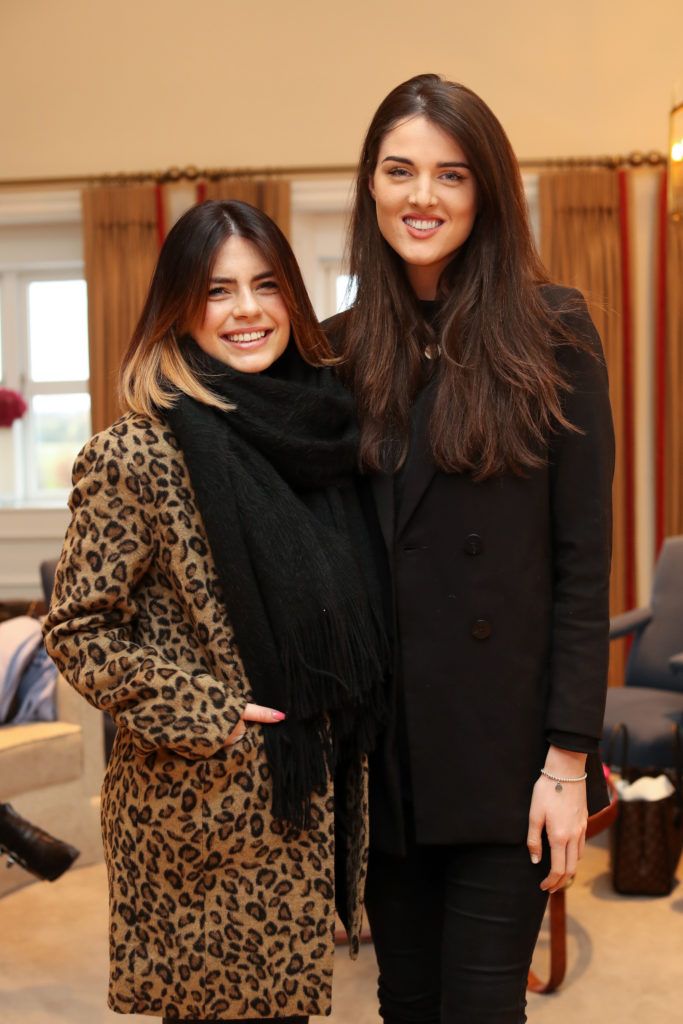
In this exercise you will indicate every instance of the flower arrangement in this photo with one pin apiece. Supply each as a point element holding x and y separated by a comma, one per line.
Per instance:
<point>12,407</point>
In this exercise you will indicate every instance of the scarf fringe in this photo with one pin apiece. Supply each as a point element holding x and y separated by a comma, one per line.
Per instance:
<point>354,658</point>
<point>301,759</point>
<point>334,713</point>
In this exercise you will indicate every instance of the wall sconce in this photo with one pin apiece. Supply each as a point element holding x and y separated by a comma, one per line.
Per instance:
<point>675,198</point>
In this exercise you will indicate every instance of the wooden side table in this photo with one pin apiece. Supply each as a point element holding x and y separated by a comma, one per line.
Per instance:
<point>557,910</point>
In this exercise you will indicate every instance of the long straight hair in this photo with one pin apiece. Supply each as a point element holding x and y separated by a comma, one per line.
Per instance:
<point>499,389</point>
<point>155,367</point>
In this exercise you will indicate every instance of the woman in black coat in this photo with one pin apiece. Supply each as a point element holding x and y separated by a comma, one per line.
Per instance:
<point>486,426</point>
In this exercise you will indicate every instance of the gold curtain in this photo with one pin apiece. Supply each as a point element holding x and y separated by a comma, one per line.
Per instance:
<point>673,450</point>
<point>272,195</point>
<point>581,247</point>
<point>120,248</point>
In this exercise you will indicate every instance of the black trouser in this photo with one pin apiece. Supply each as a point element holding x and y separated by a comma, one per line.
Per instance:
<point>454,929</point>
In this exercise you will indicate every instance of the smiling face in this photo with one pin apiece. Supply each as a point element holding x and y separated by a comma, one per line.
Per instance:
<point>246,324</point>
<point>425,199</point>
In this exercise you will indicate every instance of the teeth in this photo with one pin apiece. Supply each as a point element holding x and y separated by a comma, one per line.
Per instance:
<point>247,336</point>
<point>422,225</point>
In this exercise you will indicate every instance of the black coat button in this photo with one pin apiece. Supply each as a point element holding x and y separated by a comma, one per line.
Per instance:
<point>472,545</point>
<point>481,629</point>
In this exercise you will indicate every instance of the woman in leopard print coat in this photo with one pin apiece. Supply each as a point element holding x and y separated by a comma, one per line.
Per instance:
<point>219,909</point>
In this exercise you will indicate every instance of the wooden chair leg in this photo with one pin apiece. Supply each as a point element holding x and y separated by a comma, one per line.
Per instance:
<point>558,947</point>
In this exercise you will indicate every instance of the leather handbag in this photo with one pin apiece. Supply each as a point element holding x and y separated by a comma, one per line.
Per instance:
<point>647,836</point>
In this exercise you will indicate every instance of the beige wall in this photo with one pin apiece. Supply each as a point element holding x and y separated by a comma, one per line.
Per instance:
<point>92,86</point>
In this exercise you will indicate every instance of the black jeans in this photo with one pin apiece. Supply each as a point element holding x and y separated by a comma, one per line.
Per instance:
<point>454,929</point>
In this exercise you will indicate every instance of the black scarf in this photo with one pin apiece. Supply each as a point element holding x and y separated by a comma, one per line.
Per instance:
<point>273,481</point>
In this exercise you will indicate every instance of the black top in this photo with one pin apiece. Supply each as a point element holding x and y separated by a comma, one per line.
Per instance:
<point>565,740</point>
<point>501,595</point>
<point>558,738</point>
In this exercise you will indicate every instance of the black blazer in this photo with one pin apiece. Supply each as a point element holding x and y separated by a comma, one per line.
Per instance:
<point>501,598</point>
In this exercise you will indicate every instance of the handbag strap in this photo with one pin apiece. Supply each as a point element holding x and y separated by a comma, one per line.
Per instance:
<point>678,761</point>
<point>619,730</point>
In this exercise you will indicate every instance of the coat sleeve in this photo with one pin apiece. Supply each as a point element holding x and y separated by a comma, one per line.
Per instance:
<point>90,630</point>
<point>581,471</point>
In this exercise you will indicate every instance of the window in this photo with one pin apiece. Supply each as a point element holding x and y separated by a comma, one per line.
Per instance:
<point>43,350</point>
<point>43,318</point>
<point>319,219</point>
<point>345,292</point>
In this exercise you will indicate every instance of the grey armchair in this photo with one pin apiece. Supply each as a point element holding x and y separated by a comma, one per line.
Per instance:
<point>651,701</point>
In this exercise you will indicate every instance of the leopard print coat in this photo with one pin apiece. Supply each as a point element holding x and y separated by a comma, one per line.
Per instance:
<point>216,909</point>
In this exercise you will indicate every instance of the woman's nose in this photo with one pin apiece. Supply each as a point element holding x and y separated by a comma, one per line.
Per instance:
<point>422,193</point>
<point>246,304</point>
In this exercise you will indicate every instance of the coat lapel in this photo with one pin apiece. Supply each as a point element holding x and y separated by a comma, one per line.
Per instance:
<point>383,493</point>
<point>420,466</point>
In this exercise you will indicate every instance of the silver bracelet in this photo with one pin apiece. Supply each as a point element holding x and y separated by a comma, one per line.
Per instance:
<point>559,779</point>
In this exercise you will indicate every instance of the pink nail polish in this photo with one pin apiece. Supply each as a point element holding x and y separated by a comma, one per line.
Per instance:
<point>278,716</point>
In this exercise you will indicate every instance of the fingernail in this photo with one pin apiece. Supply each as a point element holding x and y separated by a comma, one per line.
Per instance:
<point>278,716</point>
<point>535,859</point>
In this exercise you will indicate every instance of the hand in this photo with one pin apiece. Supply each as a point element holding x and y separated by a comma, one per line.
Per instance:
<point>564,815</point>
<point>253,713</point>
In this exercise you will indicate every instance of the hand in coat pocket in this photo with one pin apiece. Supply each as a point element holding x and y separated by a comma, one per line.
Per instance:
<point>253,713</point>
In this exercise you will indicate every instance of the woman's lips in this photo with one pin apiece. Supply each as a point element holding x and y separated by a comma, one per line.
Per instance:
<point>246,339</point>
<point>422,227</point>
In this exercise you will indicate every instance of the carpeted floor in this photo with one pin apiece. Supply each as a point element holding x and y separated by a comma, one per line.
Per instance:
<point>625,957</point>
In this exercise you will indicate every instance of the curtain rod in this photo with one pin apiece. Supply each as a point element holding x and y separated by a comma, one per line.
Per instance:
<point>176,174</point>
<point>192,173</point>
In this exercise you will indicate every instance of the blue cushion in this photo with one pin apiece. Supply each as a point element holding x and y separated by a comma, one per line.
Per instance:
<point>649,716</point>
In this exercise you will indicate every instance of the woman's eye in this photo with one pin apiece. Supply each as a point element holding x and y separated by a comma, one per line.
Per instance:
<point>398,172</point>
<point>268,286</point>
<point>217,292</point>
<point>453,176</point>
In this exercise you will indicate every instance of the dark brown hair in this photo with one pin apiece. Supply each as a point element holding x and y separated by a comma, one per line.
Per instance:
<point>154,367</point>
<point>498,394</point>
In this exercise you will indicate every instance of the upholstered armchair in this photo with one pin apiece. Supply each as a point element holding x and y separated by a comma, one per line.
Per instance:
<point>51,773</point>
<point>651,701</point>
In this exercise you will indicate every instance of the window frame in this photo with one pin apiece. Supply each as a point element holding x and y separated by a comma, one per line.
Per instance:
<point>30,389</point>
<point>27,211</point>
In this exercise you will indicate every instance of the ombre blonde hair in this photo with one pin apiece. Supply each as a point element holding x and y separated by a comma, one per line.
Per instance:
<point>154,369</point>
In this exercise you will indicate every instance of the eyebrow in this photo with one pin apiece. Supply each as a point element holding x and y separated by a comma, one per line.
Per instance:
<point>233,280</point>
<point>406,160</point>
